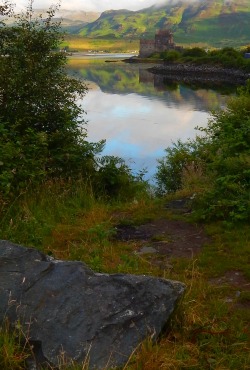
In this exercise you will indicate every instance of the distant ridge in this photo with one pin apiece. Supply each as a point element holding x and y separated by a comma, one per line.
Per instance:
<point>72,15</point>
<point>211,22</point>
<point>72,21</point>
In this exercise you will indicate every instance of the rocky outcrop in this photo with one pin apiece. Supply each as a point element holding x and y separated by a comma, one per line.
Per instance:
<point>200,73</point>
<point>66,307</point>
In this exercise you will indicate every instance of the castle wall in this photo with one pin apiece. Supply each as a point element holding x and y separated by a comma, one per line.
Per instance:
<point>147,47</point>
<point>163,41</point>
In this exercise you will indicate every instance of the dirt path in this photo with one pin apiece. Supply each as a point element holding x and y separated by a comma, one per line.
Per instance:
<point>164,239</point>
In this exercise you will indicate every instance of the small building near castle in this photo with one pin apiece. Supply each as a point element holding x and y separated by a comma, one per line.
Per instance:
<point>164,40</point>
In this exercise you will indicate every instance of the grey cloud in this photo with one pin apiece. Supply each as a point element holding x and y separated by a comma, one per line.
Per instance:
<point>95,5</point>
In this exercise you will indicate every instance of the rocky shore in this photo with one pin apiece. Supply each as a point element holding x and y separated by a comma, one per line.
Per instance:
<point>200,73</point>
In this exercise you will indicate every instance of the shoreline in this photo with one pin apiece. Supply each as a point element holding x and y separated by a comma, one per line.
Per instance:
<point>200,73</point>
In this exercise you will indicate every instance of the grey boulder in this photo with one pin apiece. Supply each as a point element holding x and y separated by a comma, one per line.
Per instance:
<point>66,308</point>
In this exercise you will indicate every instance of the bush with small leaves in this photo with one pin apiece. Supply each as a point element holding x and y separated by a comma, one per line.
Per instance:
<point>223,152</point>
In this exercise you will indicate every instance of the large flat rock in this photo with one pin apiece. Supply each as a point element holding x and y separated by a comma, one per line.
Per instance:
<point>66,307</point>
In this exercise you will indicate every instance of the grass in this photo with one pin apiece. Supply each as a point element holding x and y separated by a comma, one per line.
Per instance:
<point>210,329</point>
<point>77,43</point>
<point>84,44</point>
<point>14,347</point>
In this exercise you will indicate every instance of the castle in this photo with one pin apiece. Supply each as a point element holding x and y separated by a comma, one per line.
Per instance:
<point>163,41</point>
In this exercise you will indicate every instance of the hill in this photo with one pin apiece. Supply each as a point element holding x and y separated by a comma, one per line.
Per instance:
<point>73,20</point>
<point>212,22</point>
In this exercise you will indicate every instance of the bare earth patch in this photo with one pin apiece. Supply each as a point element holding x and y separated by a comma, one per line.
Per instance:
<point>166,237</point>
<point>232,278</point>
<point>236,280</point>
<point>163,239</point>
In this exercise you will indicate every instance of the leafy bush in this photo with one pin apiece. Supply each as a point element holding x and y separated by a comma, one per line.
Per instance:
<point>22,159</point>
<point>115,179</point>
<point>41,125</point>
<point>226,57</point>
<point>229,160</point>
<point>170,56</point>
<point>155,55</point>
<point>194,52</point>
<point>224,155</point>
<point>170,168</point>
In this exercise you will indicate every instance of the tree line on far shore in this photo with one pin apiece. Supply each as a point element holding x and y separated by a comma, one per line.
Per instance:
<point>226,57</point>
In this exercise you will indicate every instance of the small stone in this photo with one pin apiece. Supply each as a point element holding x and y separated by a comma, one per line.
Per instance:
<point>228,300</point>
<point>147,250</point>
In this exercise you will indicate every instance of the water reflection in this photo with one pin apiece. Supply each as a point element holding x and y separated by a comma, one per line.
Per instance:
<point>138,113</point>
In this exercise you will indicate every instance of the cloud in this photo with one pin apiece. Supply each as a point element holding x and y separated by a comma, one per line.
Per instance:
<point>92,5</point>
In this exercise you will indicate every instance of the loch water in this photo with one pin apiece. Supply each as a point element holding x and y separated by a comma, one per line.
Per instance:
<point>139,114</point>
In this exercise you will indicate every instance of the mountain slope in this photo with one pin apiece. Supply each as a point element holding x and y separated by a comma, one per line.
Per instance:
<point>72,21</point>
<point>204,21</point>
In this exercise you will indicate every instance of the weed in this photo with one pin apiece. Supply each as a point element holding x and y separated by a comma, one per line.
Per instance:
<point>14,347</point>
<point>101,233</point>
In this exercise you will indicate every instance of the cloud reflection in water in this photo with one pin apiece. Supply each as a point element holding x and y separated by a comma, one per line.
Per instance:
<point>136,127</point>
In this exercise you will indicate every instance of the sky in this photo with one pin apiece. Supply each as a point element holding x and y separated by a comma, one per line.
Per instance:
<point>91,5</point>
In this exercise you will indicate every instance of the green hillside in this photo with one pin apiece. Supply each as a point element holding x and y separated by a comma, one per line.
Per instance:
<point>72,21</point>
<point>211,22</point>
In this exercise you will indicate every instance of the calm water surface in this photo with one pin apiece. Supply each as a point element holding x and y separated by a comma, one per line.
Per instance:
<point>139,114</point>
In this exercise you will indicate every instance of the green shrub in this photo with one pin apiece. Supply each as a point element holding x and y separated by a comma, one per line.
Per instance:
<point>155,55</point>
<point>170,168</point>
<point>41,124</point>
<point>226,57</point>
<point>224,153</point>
<point>194,52</point>
<point>22,159</point>
<point>115,179</point>
<point>170,56</point>
<point>229,160</point>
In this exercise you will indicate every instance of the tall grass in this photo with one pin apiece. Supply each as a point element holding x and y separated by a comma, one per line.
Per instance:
<point>14,347</point>
<point>32,216</point>
<point>210,328</point>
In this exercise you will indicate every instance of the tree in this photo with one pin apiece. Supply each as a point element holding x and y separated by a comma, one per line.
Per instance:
<point>41,124</point>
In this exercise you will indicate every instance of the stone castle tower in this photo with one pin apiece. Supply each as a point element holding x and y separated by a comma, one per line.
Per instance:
<point>164,40</point>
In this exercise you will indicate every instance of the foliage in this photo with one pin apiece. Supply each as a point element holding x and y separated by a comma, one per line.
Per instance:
<point>41,124</point>
<point>170,56</point>
<point>227,57</point>
<point>229,157</point>
<point>42,127</point>
<point>224,152</point>
<point>194,52</point>
<point>22,158</point>
<point>170,168</point>
<point>115,179</point>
